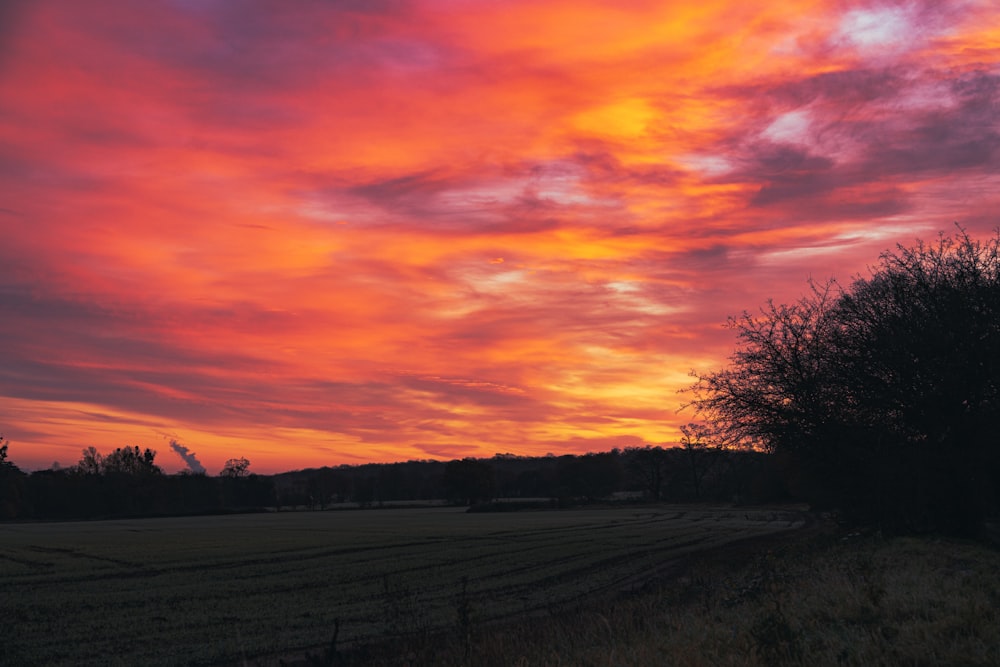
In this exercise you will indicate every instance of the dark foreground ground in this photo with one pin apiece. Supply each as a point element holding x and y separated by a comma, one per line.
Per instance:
<point>245,589</point>
<point>817,595</point>
<point>632,585</point>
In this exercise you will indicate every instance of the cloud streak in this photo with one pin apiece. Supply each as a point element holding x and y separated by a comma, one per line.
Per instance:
<point>278,231</point>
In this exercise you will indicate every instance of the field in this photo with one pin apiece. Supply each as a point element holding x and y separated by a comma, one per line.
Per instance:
<point>247,588</point>
<point>814,597</point>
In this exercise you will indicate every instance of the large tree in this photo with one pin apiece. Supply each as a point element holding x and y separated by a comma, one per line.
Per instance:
<point>883,398</point>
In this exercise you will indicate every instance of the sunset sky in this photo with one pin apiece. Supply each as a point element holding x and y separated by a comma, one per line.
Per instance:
<point>323,232</point>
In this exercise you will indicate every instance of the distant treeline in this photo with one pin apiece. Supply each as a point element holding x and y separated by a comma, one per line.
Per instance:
<point>127,483</point>
<point>636,474</point>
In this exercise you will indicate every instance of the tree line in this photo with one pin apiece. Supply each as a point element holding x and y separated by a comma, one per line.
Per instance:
<point>127,482</point>
<point>697,471</point>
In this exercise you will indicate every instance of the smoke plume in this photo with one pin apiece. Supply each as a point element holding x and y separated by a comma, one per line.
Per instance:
<point>193,464</point>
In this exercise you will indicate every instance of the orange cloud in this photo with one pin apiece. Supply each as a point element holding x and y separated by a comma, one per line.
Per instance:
<point>345,233</point>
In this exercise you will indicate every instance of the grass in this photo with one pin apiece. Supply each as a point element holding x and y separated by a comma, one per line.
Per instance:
<point>248,588</point>
<point>824,599</point>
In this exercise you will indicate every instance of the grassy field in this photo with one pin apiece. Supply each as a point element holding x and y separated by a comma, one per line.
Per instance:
<point>811,598</point>
<point>224,590</point>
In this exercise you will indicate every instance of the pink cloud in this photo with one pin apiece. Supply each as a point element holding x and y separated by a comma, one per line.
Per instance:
<point>280,230</point>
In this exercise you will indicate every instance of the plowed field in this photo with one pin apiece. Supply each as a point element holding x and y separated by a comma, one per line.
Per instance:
<point>217,590</point>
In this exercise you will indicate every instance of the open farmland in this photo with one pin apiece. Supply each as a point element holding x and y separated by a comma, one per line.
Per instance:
<point>210,590</point>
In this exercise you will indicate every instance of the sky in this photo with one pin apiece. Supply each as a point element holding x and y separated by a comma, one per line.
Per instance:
<point>336,232</point>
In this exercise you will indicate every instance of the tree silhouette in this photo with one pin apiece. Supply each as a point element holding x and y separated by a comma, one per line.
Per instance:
<point>648,467</point>
<point>881,399</point>
<point>589,476</point>
<point>236,468</point>
<point>700,456</point>
<point>122,461</point>
<point>469,481</point>
<point>130,461</point>
<point>91,462</point>
<point>11,484</point>
<point>126,482</point>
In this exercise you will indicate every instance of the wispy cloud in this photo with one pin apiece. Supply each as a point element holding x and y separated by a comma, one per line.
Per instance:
<point>279,230</point>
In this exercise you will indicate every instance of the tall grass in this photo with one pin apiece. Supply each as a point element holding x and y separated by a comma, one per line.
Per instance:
<point>825,600</point>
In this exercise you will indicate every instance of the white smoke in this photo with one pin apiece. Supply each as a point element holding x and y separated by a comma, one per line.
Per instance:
<point>193,464</point>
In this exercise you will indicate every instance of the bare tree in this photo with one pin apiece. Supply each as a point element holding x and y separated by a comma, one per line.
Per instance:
<point>699,454</point>
<point>91,462</point>
<point>648,465</point>
<point>881,399</point>
<point>130,461</point>
<point>236,468</point>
